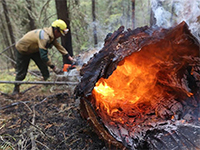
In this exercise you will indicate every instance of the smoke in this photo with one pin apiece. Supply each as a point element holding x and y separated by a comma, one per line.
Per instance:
<point>171,12</point>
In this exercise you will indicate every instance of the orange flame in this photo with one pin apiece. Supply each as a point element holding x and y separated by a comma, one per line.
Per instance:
<point>129,83</point>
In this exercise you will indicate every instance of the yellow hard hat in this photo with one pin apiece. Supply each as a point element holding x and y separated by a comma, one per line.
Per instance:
<point>61,25</point>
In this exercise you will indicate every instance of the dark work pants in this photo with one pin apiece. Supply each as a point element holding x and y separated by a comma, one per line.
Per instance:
<point>23,63</point>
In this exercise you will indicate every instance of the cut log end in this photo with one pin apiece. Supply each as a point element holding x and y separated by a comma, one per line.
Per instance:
<point>144,85</point>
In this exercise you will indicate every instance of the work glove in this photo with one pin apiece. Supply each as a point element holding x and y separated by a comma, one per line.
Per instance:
<point>73,60</point>
<point>57,70</point>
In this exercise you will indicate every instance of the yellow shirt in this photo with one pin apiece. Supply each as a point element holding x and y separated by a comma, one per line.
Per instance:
<point>37,39</point>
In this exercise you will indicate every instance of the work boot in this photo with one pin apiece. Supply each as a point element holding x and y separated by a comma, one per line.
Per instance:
<point>16,89</point>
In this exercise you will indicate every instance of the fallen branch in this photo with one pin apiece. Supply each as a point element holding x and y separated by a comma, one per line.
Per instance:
<point>51,96</point>
<point>40,82</point>
<point>5,94</point>
<point>41,131</point>
<point>42,144</point>
<point>32,130</point>
<point>7,48</point>
<point>73,134</point>
<point>14,104</point>
<point>28,89</point>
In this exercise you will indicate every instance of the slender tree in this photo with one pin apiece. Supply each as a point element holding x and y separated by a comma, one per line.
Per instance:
<point>31,20</point>
<point>172,12</point>
<point>5,40</point>
<point>128,20</point>
<point>94,23</point>
<point>3,32</point>
<point>10,29</point>
<point>63,13</point>
<point>152,17</point>
<point>133,14</point>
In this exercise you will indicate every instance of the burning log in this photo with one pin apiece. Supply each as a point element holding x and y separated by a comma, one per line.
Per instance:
<point>142,90</point>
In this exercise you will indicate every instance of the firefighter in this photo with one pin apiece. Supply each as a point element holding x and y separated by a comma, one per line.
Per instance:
<point>34,45</point>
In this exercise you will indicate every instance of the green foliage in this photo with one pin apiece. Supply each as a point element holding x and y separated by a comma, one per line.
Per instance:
<point>109,17</point>
<point>6,76</point>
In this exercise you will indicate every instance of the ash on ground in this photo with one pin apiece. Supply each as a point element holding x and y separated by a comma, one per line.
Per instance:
<point>41,121</point>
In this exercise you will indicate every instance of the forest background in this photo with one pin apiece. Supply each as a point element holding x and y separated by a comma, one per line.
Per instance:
<point>27,119</point>
<point>89,21</point>
<point>25,15</point>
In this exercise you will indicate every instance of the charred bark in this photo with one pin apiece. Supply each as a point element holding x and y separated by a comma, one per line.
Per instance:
<point>164,120</point>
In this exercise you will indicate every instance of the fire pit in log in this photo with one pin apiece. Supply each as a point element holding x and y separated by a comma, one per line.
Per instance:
<point>142,90</point>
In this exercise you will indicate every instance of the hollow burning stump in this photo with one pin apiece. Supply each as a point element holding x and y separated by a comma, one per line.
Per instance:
<point>142,90</point>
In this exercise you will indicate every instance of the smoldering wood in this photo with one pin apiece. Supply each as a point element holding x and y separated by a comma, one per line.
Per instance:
<point>120,46</point>
<point>182,86</point>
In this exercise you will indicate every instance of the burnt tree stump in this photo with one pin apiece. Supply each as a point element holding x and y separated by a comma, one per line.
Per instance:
<point>159,83</point>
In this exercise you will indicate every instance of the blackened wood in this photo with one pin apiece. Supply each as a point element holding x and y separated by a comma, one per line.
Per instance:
<point>123,43</point>
<point>151,125</point>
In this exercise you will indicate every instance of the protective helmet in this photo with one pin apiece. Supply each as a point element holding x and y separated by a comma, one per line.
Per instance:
<point>61,25</point>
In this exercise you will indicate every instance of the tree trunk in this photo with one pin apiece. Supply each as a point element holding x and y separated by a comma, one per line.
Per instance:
<point>31,20</point>
<point>5,39</point>
<point>133,14</point>
<point>152,18</point>
<point>128,20</point>
<point>4,33</point>
<point>63,13</point>
<point>10,30</point>
<point>94,23</point>
<point>172,12</point>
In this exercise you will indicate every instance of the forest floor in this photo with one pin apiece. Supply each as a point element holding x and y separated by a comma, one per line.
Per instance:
<point>45,120</point>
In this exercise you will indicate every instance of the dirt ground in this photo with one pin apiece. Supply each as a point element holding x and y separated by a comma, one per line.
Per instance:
<point>45,120</point>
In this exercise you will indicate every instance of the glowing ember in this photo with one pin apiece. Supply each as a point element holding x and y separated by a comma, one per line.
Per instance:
<point>128,83</point>
<point>145,76</point>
